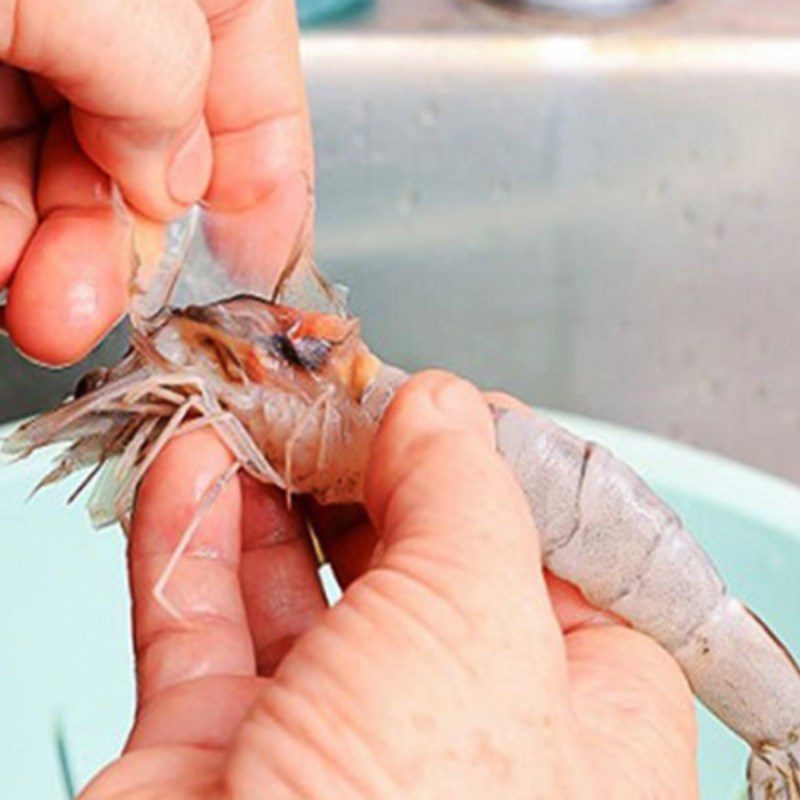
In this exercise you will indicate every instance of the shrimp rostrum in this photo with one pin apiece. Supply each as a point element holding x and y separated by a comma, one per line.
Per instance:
<point>297,397</point>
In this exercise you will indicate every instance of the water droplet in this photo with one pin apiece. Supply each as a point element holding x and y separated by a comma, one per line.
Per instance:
<point>100,190</point>
<point>364,111</point>
<point>408,202</point>
<point>429,115</point>
<point>501,186</point>
<point>689,216</point>
<point>716,234</point>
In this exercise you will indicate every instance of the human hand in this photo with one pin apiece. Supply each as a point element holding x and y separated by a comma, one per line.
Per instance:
<point>172,101</point>
<point>452,667</point>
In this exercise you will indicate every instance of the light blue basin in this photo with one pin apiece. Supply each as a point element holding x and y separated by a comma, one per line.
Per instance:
<point>66,655</point>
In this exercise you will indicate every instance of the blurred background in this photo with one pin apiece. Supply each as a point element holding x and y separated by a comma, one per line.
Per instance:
<point>597,210</point>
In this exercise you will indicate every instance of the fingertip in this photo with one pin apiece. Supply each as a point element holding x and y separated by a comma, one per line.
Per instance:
<point>137,105</point>
<point>450,514</point>
<point>70,287</point>
<point>573,611</point>
<point>161,175</point>
<point>435,417</point>
<point>189,168</point>
<point>435,398</point>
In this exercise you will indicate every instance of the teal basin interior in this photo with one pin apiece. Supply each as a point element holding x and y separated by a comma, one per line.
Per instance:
<point>64,627</point>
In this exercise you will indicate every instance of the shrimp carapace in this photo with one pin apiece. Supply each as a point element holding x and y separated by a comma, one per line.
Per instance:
<point>257,340</point>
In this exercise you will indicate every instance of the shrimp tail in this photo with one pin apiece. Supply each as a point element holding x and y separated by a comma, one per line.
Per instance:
<point>773,772</point>
<point>605,531</point>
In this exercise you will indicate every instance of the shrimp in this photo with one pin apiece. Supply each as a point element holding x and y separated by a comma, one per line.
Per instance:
<point>298,397</point>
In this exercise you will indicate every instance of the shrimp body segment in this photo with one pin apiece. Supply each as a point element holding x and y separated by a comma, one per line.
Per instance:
<point>298,398</point>
<point>605,531</point>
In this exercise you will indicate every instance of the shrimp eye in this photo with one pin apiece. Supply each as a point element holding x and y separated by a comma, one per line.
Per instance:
<point>92,380</point>
<point>307,352</point>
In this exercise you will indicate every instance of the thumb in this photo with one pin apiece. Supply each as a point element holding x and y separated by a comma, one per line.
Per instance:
<point>452,517</point>
<point>135,75</point>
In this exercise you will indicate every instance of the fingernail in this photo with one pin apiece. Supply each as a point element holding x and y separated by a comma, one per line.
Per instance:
<point>190,169</point>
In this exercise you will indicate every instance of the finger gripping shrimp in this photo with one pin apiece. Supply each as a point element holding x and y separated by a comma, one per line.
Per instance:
<point>298,397</point>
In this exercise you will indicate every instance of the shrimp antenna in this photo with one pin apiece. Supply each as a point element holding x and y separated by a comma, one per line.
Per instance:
<point>301,282</point>
<point>302,247</point>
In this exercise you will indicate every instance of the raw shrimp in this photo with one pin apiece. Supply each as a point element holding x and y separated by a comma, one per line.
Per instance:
<point>298,397</point>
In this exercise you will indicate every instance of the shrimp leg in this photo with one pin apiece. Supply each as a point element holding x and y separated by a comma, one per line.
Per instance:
<point>131,473</point>
<point>605,531</point>
<point>206,501</point>
<point>240,443</point>
<point>322,401</point>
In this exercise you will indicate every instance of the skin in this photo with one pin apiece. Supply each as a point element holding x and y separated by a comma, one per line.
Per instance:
<point>173,102</point>
<point>453,667</point>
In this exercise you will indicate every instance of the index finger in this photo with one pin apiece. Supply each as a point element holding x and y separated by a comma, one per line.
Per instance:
<point>209,636</point>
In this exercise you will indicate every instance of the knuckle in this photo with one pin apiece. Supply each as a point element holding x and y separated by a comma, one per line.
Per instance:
<point>455,392</point>
<point>430,382</point>
<point>437,390</point>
